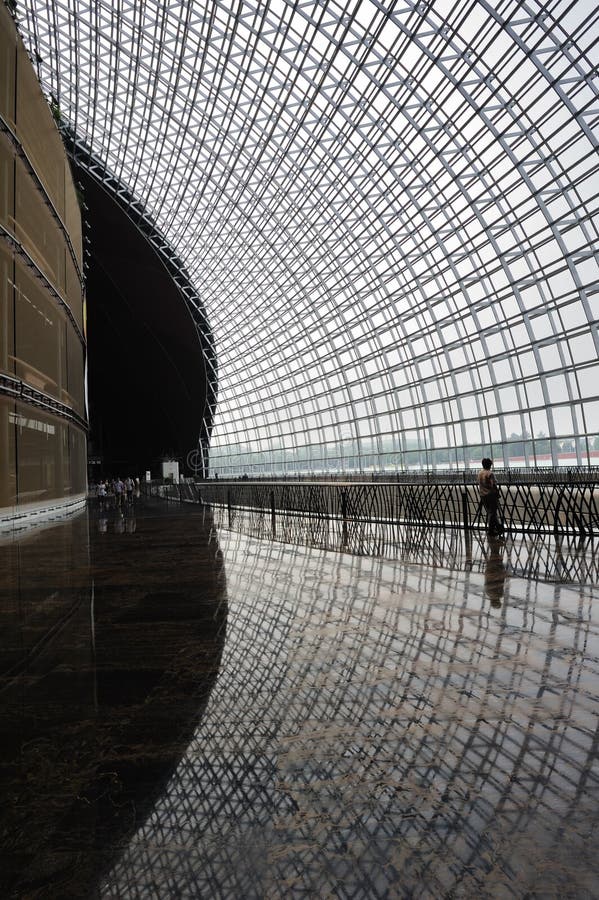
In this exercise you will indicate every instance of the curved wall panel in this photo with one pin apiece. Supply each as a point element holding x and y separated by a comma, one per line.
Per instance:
<point>389,210</point>
<point>42,345</point>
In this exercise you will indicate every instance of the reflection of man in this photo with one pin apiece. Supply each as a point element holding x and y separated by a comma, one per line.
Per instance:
<point>495,573</point>
<point>130,524</point>
<point>489,495</point>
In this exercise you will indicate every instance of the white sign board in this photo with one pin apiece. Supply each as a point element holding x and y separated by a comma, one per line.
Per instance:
<point>170,470</point>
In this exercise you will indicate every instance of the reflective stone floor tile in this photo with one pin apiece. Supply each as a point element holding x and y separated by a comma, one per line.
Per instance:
<point>190,712</point>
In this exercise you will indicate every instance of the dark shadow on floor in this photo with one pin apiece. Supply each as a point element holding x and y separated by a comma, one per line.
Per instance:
<point>112,629</point>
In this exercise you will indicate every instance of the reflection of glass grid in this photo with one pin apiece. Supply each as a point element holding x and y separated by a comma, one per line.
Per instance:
<point>376,728</point>
<point>566,560</point>
<point>389,213</point>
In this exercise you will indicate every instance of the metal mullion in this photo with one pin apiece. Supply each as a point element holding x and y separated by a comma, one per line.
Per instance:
<point>183,32</point>
<point>114,52</point>
<point>77,43</point>
<point>199,77</point>
<point>93,98</point>
<point>208,176</point>
<point>272,129</point>
<point>223,321</point>
<point>156,59</point>
<point>132,82</point>
<point>52,16</point>
<point>305,114</point>
<point>528,52</point>
<point>233,104</point>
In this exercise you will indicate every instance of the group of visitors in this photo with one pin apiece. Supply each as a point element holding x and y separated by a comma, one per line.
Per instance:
<point>121,491</point>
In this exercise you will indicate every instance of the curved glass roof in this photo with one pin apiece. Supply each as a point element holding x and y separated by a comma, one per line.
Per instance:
<point>389,210</point>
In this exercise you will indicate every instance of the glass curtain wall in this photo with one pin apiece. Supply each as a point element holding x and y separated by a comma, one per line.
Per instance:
<point>389,210</point>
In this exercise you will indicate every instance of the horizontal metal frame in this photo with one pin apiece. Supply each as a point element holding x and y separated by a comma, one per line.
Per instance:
<point>548,475</point>
<point>19,390</point>
<point>28,260</point>
<point>22,154</point>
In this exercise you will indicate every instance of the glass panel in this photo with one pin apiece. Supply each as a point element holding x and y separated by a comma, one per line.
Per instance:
<point>7,349</point>
<point>8,473</point>
<point>78,461</point>
<point>7,186</point>
<point>38,133</point>
<point>74,371</point>
<point>40,454</point>
<point>38,325</point>
<point>8,50</point>
<point>37,230</point>
<point>72,219</point>
<point>73,292</point>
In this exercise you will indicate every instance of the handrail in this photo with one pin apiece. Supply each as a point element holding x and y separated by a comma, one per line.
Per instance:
<point>564,507</point>
<point>545,474</point>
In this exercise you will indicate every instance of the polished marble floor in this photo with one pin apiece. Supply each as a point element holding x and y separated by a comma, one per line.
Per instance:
<point>194,712</point>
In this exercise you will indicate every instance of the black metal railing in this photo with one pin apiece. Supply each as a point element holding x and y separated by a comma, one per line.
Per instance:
<point>568,507</point>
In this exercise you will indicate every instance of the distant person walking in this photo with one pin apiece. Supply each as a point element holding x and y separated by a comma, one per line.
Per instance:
<point>119,490</point>
<point>489,495</point>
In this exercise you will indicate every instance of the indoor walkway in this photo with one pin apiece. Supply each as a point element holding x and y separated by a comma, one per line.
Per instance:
<point>191,712</point>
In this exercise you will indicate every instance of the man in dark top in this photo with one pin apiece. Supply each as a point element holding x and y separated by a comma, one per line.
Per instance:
<point>489,495</point>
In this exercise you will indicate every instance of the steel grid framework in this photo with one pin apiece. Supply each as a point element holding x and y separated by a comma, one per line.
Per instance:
<point>387,207</point>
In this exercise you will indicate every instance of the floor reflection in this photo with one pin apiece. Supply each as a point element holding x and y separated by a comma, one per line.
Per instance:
<point>113,628</point>
<point>383,729</point>
<point>495,571</point>
<point>380,727</point>
<point>551,557</point>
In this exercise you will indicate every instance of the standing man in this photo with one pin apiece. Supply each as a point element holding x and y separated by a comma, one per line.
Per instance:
<point>119,489</point>
<point>489,495</point>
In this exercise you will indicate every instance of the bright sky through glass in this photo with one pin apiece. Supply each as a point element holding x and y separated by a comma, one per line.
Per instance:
<point>388,209</point>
